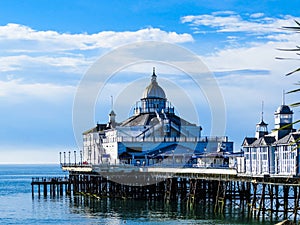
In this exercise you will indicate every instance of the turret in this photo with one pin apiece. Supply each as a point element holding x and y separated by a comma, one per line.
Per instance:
<point>112,119</point>
<point>283,121</point>
<point>261,127</point>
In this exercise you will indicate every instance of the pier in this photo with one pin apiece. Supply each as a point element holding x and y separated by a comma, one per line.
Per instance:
<point>50,185</point>
<point>158,156</point>
<point>223,190</point>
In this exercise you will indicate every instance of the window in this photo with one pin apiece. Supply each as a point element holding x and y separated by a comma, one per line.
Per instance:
<point>264,157</point>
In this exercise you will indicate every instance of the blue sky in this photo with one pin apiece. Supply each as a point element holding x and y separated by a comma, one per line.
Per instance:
<point>47,46</point>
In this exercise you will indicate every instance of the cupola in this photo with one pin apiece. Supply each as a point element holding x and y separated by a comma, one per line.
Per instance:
<point>261,127</point>
<point>154,98</point>
<point>153,90</point>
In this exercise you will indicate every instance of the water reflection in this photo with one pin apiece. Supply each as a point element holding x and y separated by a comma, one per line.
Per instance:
<point>124,211</point>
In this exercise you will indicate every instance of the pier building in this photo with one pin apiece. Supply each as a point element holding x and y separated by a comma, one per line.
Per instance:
<point>275,153</point>
<point>153,134</point>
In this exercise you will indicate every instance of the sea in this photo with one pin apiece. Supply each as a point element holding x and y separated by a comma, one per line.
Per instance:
<point>17,206</point>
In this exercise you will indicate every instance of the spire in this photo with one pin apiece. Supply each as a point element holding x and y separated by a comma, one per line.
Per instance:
<point>111,115</point>
<point>112,102</point>
<point>153,79</point>
<point>283,97</point>
<point>261,127</point>
<point>262,111</point>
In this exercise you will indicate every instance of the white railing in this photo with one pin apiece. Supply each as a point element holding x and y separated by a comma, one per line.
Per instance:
<point>168,139</point>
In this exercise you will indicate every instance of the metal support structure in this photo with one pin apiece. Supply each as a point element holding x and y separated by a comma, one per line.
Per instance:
<point>261,199</point>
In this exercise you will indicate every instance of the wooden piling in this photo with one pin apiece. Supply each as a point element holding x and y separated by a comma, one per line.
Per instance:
<point>258,198</point>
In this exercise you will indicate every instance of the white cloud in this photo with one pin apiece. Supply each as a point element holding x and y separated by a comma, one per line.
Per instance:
<point>231,22</point>
<point>258,56</point>
<point>257,15</point>
<point>15,90</point>
<point>218,13</point>
<point>251,75</point>
<point>75,63</point>
<point>27,51</point>
<point>48,41</point>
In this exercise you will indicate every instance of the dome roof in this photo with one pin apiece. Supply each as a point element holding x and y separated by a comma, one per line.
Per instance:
<point>284,109</point>
<point>153,90</point>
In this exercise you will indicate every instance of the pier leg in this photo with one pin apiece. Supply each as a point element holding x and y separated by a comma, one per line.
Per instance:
<point>286,201</point>
<point>261,203</point>
<point>45,190</point>
<point>248,198</point>
<point>61,189</point>
<point>217,197</point>
<point>277,201</point>
<point>191,198</point>
<point>253,204</point>
<point>296,203</point>
<point>271,193</point>
<point>32,190</point>
<point>242,195</point>
<point>168,189</point>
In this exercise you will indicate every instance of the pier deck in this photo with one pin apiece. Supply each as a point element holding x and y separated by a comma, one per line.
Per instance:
<point>55,185</point>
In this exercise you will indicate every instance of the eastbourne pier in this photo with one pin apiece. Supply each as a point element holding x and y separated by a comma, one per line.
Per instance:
<point>158,156</point>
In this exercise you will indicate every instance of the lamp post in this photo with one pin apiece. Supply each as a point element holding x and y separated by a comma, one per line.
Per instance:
<point>80,157</point>
<point>60,158</point>
<point>69,157</point>
<point>64,158</point>
<point>75,157</point>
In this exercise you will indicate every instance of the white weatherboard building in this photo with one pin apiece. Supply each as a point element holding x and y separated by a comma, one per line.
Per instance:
<point>275,153</point>
<point>154,134</point>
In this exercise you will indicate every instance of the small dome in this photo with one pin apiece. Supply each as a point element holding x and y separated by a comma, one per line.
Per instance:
<point>153,90</point>
<point>112,113</point>
<point>262,123</point>
<point>284,109</point>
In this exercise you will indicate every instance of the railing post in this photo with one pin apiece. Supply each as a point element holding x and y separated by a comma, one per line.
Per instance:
<point>69,157</point>
<point>64,158</point>
<point>75,157</point>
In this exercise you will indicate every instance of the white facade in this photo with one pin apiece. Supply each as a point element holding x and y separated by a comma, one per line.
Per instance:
<point>275,153</point>
<point>152,131</point>
<point>99,149</point>
<point>257,159</point>
<point>286,157</point>
<point>91,147</point>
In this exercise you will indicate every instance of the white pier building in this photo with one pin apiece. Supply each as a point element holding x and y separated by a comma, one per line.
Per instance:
<point>275,153</point>
<point>153,135</point>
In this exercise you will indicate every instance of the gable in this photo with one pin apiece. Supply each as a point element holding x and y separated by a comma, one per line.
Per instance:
<point>248,141</point>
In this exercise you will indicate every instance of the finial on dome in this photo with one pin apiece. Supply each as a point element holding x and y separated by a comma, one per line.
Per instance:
<point>153,75</point>
<point>283,97</point>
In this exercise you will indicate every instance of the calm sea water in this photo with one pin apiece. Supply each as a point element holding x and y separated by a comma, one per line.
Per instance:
<point>18,207</point>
